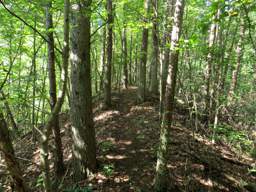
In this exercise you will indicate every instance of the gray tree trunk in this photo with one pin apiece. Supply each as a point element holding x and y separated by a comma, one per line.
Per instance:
<point>208,74</point>
<point>161,179</point>
<point>143,57</point>
<point>83,133</point>
<point>165,56</point>
<point>155,63</point>
<point>125,58</point>
<point>107,95</point>
<point>103,58</point>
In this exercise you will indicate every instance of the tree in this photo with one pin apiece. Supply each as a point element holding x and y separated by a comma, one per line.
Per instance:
<point>239,53</point>
<point>208,75</point>
<point>155,62</point>
<point>125,58</point>
<point>103,58</point>
<point>58,163</point>
<point>108,77</point>
<point>161,179</point>
<point>12,165</point>
<point>165,52</point>
<point>143,55</point>
<point>83,133</point>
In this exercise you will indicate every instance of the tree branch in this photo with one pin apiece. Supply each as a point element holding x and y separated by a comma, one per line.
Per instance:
<point>98,29</point>
<point>27,24</point>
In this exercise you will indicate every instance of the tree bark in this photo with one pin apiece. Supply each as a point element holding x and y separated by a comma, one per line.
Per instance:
<point>45,133</point>
<point>108,75</point>
<point>6,148</point>
<point>130,61</point>
<point>125,58</point>
<point>83,133</point>
<point>143,57</point>
<point>103,58</point>
<point>161,180</point>
<point>208,74</point>
<point>166,53</point>
<point>155,62</point>
<point>58,156</point>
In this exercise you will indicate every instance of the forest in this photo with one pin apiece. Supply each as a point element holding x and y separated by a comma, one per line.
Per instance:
<point>128,95</point>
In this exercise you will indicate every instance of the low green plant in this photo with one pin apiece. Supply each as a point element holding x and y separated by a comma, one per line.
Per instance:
<point>105,146</point>
<point>40,181</point>
<point>236,138</point>
<point>79,189</point>
<point>140,136</point>
<point>108,169</point>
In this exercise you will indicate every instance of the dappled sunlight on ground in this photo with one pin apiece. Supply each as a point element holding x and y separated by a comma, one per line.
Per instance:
<point>116,157</point>
<point>127,142</point>
<point>104,116</point>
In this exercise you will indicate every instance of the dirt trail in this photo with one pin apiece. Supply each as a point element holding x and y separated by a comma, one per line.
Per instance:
<point>127,137</point>
<point>195,163</point>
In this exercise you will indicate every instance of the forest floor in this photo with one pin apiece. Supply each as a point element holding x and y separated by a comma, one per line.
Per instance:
<point>127,137</point>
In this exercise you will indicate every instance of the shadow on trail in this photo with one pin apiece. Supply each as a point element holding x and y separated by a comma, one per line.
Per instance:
<point>132,131</point>
<point>127,139</point>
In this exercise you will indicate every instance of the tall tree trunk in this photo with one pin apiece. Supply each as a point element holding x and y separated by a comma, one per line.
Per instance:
<point>83,133</point>
<point>161,179</point>
<point>226,61</point>
<point>239,53</point>
<point>143,56</point>
<point>6,148</point>
<point>155,62</point>
<point>58,156</point>
<point>166,52</point>
<point>130,61</point>
<point>103,58</point>
<point>136,76</point>
<point>34,80</point>
<point>107,95</point>
<point>125,58</point>
<point>208,74</point>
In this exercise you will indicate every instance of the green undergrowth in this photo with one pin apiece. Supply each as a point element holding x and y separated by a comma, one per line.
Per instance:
<point>234,138</point>
<point>108,169</point>
<point>106,145</point>
<point>79,189</point>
